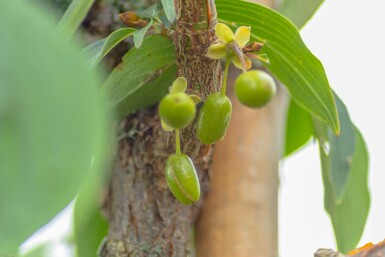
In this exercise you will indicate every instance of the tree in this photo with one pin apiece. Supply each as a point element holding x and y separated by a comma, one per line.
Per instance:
<point>143,217</point>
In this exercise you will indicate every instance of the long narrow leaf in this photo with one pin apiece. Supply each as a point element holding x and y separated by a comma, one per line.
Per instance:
<point>291,61</point>
<point>74,15</point>
<point>349,215</point>
<point>338,149</point>
<point>169,9</point>
<point>344,161</point>
<point>102,47</point>
<point>90,226</point>
<point>299,125</point>
<point>140,34</point>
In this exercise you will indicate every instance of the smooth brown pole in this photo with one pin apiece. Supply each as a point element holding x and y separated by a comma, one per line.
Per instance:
<point>240,213</point>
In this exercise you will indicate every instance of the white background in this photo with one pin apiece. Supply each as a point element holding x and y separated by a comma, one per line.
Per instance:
<point>348,36</point>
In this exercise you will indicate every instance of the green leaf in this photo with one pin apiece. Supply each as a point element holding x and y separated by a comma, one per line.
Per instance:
<point>344,161</point>
<point>299,128</point>
<point>299,11</point>
<point>349,216</point>
<point>169,9</point>
<point>102,47</point>
<point>339,150</point>
<point>74,15</point>
<point>291,62</point>
<point>90,226</point>
<point>143,77</point>
<point>89,238</point>
<point>51,124</point>
<point>140,34</point>
<point>299,125</point>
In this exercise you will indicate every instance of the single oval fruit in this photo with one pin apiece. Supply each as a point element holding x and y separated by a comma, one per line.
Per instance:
<point>177,110</point>
<point>214,118</point>
<point>254,88</point>
<point>182,178</point>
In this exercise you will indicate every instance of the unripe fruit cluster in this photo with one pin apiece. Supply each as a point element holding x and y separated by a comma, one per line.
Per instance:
<point>177,110</point>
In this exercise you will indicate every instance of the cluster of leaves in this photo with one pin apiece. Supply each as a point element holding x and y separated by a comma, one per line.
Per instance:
<point>31,137</point>
<point>177,109</point>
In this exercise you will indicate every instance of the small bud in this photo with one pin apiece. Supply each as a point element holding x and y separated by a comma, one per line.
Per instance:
<point>256,46</point>
<point>253,47</point>
<point>224,33</point>
<point>216,51</point>
<point>132,20</point>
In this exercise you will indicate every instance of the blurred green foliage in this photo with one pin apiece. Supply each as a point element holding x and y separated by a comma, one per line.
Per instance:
<point>52,129</point>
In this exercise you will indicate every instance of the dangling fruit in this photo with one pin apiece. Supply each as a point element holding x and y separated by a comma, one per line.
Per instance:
<point>254,88</point>
<point>214,118</point>
<point>182,178</point>
<point>177,110</point>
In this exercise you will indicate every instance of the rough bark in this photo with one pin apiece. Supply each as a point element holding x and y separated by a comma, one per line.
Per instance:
<point>193,34</point>
<point>144,218</point>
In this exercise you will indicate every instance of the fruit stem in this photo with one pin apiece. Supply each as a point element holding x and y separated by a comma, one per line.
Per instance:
<point>177,142</point>
<point>225,74</point>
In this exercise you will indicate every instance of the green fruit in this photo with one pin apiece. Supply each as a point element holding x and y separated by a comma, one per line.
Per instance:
<point>182,178</point>
<point>177,110</point>
<point>214,118</point>
<point>254,88</point>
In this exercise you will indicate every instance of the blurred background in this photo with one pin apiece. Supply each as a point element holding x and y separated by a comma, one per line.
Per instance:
<point>348,37</point>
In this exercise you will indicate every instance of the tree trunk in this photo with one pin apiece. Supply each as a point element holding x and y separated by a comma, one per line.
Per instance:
<point>144,218</point>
